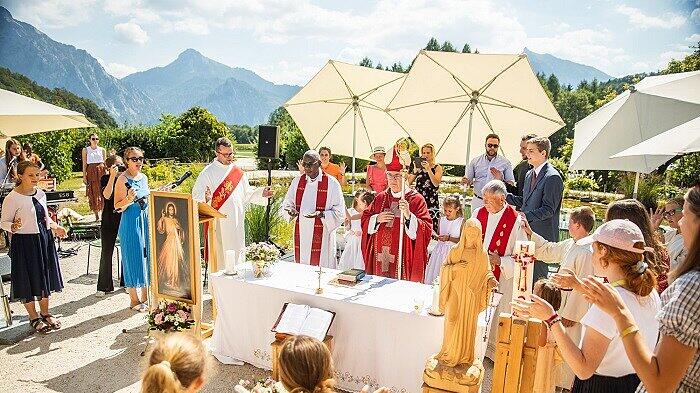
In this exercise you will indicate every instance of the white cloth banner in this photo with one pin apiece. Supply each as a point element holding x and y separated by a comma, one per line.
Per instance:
<point>379,339</point>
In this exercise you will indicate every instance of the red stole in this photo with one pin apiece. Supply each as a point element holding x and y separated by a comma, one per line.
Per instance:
<point>219,197</point>
<point>499,240</point>
<point>380,250</point>
<point>317,239</point>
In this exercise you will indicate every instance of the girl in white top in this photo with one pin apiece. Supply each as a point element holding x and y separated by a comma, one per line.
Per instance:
<point>352,253</point>
<point>450,228</point>
<point>600,362</point>
<point>35,272</point>
<point>93,169</point>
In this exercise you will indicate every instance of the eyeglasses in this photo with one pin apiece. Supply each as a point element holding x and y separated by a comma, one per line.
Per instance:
<point>135,159</point>
<point>225,154</point>
<point>492,146</point>
<point>308,164</point>
<point>671,212</point>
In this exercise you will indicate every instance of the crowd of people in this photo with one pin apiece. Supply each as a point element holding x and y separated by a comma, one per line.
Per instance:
<point>606,332</point>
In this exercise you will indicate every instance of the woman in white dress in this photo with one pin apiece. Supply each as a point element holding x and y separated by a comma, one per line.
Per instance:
<point>450,229</point>
<point>352,253</point>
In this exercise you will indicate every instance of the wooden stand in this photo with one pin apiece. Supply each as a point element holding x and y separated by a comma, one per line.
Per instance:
<point>429,389</point>
<point>277,347</point>
<point>209,215</point>
<point>516,354</point>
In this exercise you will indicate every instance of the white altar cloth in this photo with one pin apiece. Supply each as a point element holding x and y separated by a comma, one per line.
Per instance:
<point>379,339</point>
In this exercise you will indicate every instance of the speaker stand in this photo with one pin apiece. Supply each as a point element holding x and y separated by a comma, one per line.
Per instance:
<point>269,206</point>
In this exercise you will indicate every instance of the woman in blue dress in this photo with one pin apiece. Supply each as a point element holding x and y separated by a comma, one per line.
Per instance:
<point>131,197</point>
<point>35,269</point>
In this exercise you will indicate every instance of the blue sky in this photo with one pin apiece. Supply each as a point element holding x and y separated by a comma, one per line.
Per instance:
<point>287,41</point>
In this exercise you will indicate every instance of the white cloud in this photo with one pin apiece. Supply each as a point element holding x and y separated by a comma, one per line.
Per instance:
<point>587,46</point>
<point>131,33</point>
<point>640,20</point>
<point>55,14</point>
<point>693,38</point>
<point>117,70</point>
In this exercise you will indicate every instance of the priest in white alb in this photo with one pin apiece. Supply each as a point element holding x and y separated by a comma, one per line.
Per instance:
<point>315,202</point>
<point>225,186</point>
<point>501,226</point>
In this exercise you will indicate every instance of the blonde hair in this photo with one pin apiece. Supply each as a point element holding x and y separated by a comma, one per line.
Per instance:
<point>131,150</point>
<point>176,361</point>
<point>305,366</point>
<point>640,284</point>
<point>453,200</point>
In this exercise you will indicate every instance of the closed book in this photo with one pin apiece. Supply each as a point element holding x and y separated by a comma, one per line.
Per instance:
<point>352,275</point>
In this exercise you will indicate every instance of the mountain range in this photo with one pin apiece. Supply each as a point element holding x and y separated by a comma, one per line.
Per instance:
<point>235,95</point>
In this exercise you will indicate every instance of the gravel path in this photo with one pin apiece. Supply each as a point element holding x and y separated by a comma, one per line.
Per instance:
<point>91,353</point>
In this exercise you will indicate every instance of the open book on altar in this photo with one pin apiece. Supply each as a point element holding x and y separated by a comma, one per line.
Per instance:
<point>302,319</point>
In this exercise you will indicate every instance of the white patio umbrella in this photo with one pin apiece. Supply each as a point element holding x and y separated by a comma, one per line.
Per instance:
<point>678,140</point>
<point>654,105</point>
<point>343,108</point>
<point>453,100</point>
<point>21,115</point>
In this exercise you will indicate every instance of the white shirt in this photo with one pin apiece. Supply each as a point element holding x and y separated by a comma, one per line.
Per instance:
<point>94,156</point>
<point>411,229</point>
<point>539,168</point>
<point>615,362</point>
<point>21,206</point>
<point>479,170</point>
<point>674,245</point>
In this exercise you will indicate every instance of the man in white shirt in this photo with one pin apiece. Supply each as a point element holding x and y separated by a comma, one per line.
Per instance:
<point>315,200</point>
<point>501,227</point>
<point>487,167</point>
<point>672,212</point>
<point>225,187</point>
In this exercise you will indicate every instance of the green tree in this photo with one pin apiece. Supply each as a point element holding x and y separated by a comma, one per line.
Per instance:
<point>379,66</point>
<point>447,47</point>
<point>466,49</point>
<point>292,143</point>
<point>553,86</point>
<point>689,63</point>
<point>433,44</point>
<point>397,67</point>
<point>56,149</point>
<point>193,139</point>
<point>366,62</point>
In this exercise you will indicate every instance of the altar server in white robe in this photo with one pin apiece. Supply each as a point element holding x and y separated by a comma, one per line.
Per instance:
<point>501,227</point>
<point>225,187</point>
<point>573,258</point>
<point>316,201</point>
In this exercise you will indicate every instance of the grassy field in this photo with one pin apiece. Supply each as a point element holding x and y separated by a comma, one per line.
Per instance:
<point>245,150</point>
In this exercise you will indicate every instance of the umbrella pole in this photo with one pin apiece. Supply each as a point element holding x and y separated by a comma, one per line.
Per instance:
<point>399,263</point>
<point>469,138</point>
<point>636,186</point>
<point>354,130</point>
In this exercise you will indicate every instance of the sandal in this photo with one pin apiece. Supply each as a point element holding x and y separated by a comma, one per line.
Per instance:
<point>36,321</point>
<point>55,325</point>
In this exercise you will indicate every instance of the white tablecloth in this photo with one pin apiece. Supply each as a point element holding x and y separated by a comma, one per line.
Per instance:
<point>379,339</point>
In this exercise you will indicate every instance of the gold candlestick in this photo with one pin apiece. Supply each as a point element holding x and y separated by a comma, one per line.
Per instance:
<point>319,290</point>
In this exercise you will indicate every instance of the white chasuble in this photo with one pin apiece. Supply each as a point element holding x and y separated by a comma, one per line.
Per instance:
<point>333,218</point>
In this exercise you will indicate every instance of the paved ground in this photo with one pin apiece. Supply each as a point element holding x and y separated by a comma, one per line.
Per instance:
<point>91,353</point>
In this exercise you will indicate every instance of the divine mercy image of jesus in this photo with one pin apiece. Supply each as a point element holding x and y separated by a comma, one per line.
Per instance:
<point>172,263</point>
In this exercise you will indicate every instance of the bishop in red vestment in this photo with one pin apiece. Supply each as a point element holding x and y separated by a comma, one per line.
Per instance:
<point>380,227</point>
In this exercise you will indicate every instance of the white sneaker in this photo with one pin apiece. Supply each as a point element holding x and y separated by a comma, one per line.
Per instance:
<point>100,294</point>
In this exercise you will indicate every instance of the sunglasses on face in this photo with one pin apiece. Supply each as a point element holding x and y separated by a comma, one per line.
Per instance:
<point>669,213</point>
<point>492,146</point>
<point>135,159</point>
<point>95,139</point>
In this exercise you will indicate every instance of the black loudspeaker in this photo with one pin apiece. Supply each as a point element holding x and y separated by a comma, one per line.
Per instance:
<point>268,142</point>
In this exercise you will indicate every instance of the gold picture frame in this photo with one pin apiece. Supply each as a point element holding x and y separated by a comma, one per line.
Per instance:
<point>175,260</point>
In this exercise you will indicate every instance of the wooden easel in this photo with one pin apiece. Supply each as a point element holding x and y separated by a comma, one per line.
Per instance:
<point>207,214</point>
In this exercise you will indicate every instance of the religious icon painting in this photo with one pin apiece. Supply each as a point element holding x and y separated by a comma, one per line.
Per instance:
<point>174,261</point>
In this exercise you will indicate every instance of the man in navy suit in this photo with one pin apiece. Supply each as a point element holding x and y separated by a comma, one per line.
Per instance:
<point>542,195</point>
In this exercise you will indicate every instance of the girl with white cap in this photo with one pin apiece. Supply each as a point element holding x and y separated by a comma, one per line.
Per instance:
<point>600,363</point>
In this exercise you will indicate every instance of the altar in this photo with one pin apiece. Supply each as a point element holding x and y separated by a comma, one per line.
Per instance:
<point>380,340</point>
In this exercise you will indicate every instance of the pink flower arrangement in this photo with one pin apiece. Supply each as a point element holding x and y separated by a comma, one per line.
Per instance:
<point>171,316</point>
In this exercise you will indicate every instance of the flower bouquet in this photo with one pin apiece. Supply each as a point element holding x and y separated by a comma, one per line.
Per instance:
<point>267,385</point>
<point>170,316</point>
<point>261,256</point>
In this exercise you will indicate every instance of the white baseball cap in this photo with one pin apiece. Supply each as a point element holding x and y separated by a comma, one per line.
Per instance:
<point>622,234</point>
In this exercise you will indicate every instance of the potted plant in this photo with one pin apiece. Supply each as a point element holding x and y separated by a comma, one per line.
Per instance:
<point>261,257</point>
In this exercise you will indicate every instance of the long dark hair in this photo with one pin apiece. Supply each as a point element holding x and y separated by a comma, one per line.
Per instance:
<point>692,258</point>
<point>633,210</point>
<point>8,145</point>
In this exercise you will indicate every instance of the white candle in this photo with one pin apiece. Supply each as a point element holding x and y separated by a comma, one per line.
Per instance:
<point>524,254</point>
<point>435,307</point>
<point>231,259</point>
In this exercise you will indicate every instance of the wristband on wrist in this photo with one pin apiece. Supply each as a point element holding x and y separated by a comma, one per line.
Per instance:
<point>552,320</point>
<point>629,330</point>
